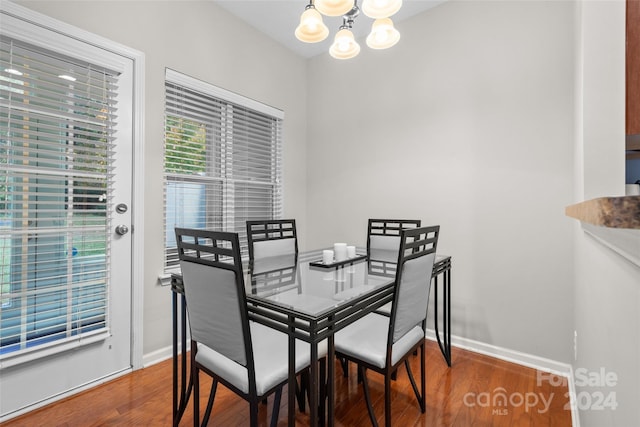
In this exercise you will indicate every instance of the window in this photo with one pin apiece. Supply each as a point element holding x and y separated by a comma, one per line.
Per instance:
<point>222,160</point>
<point>57,117</point>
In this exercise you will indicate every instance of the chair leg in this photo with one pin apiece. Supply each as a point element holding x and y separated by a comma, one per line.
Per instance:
<point>423,378</point>
<point>212,396</point>
<point>387,399</point>
<point>344,363</point>
<point>253,412</point>
<point>413,381</point>
<point>196,395</point>
<point>367,397</point>
<point>323,389</point>
<point>276,407</point>
<point>301,391</point>
<point>420,396</point>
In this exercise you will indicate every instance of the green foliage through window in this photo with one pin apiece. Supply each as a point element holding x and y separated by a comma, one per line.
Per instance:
<point>185,146</point>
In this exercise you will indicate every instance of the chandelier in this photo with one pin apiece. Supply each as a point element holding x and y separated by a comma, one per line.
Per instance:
<point>383,34</point>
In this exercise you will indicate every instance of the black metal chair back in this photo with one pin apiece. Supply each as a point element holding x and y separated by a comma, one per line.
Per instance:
<point>273,237</point>
<point>383,237</point>
<point>212,273</point>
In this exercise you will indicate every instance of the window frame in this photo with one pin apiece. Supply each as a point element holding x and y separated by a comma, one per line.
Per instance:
<point>219,165</point>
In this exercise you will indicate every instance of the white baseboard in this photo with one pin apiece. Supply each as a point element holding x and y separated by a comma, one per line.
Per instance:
<point>160,355</point>
<point>157,356</point>
<point>520,358</point>
<point>529,360</point>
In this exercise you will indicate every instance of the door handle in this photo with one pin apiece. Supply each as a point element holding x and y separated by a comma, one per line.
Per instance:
<point>122,229</point>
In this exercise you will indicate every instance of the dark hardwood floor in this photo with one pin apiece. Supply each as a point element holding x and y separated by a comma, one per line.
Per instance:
<point>476,391</point>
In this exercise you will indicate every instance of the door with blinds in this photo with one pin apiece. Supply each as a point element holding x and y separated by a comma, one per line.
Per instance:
<point>65,215</point>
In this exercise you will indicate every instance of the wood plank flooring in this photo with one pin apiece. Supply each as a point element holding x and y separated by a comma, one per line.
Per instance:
<point>476,391</point>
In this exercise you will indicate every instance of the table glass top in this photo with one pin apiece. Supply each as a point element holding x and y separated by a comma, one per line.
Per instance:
<point>294,284</point>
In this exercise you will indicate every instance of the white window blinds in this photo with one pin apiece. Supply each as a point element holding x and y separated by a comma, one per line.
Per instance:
<point>222,160</point>
<point>57,117</point>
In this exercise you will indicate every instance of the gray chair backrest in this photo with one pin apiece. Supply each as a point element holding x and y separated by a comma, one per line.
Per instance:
<point>212,304</point>
<point>383,237</point>
<point>269,238</point>
<point>214,291</point>
<point>274,248</point>
<point>385,243</point>
<point>413,278</point>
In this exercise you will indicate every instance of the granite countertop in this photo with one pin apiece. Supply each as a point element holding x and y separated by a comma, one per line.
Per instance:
<point>613,212</point>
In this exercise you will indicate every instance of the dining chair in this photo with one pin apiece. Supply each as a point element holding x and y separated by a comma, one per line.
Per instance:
<point>248,358</point>
<point>383,343</point>
<point>383,241</point>
<point>269,241</point>
<point>272,237</point>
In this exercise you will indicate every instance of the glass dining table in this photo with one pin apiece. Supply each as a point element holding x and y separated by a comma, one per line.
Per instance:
<point>309,301</point>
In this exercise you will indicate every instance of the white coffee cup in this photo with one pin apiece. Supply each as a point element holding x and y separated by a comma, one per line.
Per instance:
<point>340,251</point>
<point>327,256</point>
<point>351,251</point>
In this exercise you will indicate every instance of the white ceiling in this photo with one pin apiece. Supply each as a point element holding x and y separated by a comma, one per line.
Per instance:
<point>278,19</point>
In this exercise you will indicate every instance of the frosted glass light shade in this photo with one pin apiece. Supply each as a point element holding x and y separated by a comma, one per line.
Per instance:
<point>344,45</point>
<point>334,7</point>
<point>311,28</point>
<point>383,35</point>
<point>378,9</point>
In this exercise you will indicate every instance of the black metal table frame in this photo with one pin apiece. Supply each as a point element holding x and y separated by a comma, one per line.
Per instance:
<point>311,329</point>
<point>443,267</point>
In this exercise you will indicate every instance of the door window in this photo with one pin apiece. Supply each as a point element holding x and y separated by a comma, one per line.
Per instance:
<point>57,118</point>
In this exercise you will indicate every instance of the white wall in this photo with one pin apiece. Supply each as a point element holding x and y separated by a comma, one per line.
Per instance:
<point>607,286</point>
<point>466,123</point>
<point>204,41</point>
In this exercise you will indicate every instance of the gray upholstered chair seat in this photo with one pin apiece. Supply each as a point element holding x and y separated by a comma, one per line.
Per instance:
<point>270,352</point>
<point>366,340</point>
